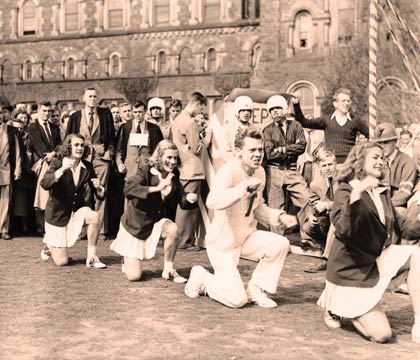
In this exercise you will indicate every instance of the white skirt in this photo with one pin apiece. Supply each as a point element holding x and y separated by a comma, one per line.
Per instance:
<point>351,302</point>
<point>126,244</point>
<point>66,236</point>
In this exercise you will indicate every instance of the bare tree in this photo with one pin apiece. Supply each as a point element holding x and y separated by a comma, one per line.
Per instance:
<point>137,88</point>
<point>225,82</point>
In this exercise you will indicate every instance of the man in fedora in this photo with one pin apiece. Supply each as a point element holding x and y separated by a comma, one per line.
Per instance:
<point>400,169</point>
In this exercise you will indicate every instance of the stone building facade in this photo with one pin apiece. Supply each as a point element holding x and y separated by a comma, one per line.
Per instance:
<point>52,49</point>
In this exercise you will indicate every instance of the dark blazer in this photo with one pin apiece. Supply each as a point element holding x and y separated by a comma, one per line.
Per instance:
<point>144,208</point>
<point>12,136</point>
<point>106,126</point>
<point>39,143</point>
<point>155,136</point>
<point>360,237</point>
<point>65,197</point>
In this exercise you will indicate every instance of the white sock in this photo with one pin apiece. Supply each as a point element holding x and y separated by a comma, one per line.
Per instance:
<point>168,266</point>
<point>91,251</point>
<point>417,320</point>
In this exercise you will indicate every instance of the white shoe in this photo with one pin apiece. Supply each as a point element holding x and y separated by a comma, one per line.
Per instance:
<point>195,285</point>
<point>45,253</point>
<point>94,262</point>
<point>415,333</point>
<point>331,320</point>
<point>174,276</point>
<point>259,297</point>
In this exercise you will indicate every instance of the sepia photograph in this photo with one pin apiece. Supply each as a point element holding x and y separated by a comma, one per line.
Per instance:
<point>209,179</point>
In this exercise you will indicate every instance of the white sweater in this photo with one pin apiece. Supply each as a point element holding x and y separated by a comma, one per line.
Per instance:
<point>230,227</point>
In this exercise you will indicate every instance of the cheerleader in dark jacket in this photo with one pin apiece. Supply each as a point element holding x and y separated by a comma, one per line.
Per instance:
<point>364,255</point>
<point>70,181</point>
<point>153,195</point>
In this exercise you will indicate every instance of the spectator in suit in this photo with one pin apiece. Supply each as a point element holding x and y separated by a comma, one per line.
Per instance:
<point>186,136</point>
<point>130,157</point>
<point>10,170</point>
<point>44,139</point>
<point>96,125</point>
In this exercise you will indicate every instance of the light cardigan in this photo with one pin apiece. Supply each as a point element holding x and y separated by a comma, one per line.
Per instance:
<point>230,227</point>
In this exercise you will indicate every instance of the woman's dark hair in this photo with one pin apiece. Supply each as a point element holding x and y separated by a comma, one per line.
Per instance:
<point>65,149</point>
<point>353,167</point>
<point>155,158</point>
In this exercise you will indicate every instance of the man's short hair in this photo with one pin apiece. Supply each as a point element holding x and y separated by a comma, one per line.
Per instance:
<point>251,132</point>
<point>322,154</point>
<point>175,103</point>
<point>124,104</point>
<point>138,104</point>
<point>341,91</point>
<point>44,103</point>
<point>89,88</point>
<point>198,97</point>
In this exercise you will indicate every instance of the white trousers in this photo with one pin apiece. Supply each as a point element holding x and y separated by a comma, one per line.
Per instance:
<point>4,208</point>
<point>226,286</point>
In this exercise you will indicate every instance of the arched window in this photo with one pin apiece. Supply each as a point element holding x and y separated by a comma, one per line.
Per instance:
<point>71,15</point>
<point>114,65</point>
<point>70,69</point>
<point>304,31</point>
<point>211,60</point>
<point>27,70</point>
<point>161,63</point>
<point>308,94</point>
<point>28,18</point>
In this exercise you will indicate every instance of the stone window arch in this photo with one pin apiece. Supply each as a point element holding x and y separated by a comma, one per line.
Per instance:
<point>115,66</point>
<point>28,18</point>
<point>309,94</point>
<point>27,70</point>
<point>211,60</point>
<point>303,37</point>
<point>161,62</point>
<point>70,68</point>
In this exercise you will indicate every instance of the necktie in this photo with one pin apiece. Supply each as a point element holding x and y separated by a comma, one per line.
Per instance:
<point>282,133</point>
<point>138,130</point>
<point>330,193</point>
<point>387,174</point>
<point>90,124</point>
<point>47,130</point>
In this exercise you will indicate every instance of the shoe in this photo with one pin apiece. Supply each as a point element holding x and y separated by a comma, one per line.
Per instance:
<point>415,333</point>
<point>102,237</point>
<point>331,320</point>
<point>94,262</point>
<point>5,236</point>
<point>318,268</point>
<point>45,253</point>
<point>259,297</point>
<point>196,283</point>
<point>189,247</point>
<point>310,245</point>
<point>174,276</point>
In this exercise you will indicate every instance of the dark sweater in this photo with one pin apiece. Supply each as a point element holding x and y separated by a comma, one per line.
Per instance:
<point>339,139</point>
